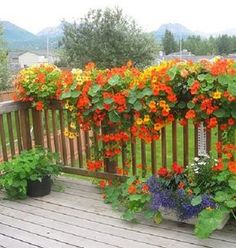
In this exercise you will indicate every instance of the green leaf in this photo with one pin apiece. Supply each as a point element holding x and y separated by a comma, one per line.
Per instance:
<point>190,81</point>
<point>172,72</point>
<point>128,215</point>
<point>190,105</point>
<point>146,92</point>
<point>232,88</point>
<point>224,79</point>
<point>231,204</point>
<point>114,80</point>
<point>108,100</point>
<point>232,183</point>
<point>209,79</point>
<point>201,77</point>
<point>114,116</point>
<point>196,200</point>
<point>157,218</point>
<point>65,95</point>
<point>222,196</point>
<point>75,94</point>
<point>148,214</point>
<point>233,113</point>
<point>219,113</point>
<point>135,197</point>
<point>138,106</point>
<point>94,89</point>
<point>132,99</point>
<point>208,221</point>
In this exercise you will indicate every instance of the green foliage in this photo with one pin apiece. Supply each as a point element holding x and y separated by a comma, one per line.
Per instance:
<point>208,221</point>
<point>130,197</point>
<point>29,165</point>
<point>108,38</point>
<point>4,70</point>
<point>168,42</point>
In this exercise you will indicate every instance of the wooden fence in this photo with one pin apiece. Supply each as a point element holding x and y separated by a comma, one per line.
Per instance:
<point>22,127</point>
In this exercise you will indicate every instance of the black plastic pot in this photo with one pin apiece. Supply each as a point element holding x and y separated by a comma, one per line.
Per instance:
<point>37,188</point>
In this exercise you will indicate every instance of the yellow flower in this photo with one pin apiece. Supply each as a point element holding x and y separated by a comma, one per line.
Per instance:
<point>146,119</point>
<point>166,108</point>
<point>162,103</point>
<point>217,95</point>
<point>152,105</point>
<point>139,121</point>
<point>67,105</point>
<point>66,132</point>
<point>71,107</point>
<point>209,208</point>
<point>72,135</point>
<point>72,125</point>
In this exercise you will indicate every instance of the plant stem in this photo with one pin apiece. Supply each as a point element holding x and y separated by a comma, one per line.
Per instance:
<point>233,214</point>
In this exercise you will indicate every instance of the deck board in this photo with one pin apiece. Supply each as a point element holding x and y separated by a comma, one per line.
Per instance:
<point>77,217</point>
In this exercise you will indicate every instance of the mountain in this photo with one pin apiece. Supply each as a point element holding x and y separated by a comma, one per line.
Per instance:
<point>21,39</point>
<point>51,32</point>
<point>178,30</point>
<point>15,33</point>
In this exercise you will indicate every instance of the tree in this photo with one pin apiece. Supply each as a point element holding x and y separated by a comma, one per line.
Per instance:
<point>4,70</point>
<point>168,42</point>
<point>109,39</point>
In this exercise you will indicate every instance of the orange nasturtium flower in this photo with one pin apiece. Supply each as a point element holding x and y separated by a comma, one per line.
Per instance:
<point>39,105</point>
<point>132,189</point>
<point>232,166</point>
<point>190,114</point>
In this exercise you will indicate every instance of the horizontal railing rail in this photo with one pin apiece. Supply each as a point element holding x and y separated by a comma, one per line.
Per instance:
<point>22,127</point>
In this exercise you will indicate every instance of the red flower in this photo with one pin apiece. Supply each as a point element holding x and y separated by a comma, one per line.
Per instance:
<point>218,167</point>
<point>190,114</point>
<point>232,166</point>
<point>145,188</point>
<point>181,185</point>
<point>231,121</point>
<point>39,105</point>
<point>132,189</point>
<point>162,172</point>
<point>177,168</point>
<point>195,87</point>
<point>183,122</point>
<point>102,184</point>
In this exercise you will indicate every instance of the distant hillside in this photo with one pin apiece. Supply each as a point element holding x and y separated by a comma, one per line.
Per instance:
<point>178,30</point>
<point>21,39</point>
<point>15,33</point>
<point>51,32</point>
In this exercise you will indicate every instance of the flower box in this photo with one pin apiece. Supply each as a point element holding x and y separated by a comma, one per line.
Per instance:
<point>169,214</point>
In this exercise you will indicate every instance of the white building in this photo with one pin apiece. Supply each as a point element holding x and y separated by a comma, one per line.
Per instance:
<point>28,58</point>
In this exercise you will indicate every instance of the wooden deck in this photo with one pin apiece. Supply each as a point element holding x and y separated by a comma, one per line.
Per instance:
<point>77,217</point>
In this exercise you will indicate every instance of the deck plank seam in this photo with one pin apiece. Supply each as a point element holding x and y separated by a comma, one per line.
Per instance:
<point>17,228</point>
<point>58,230</point>
<point>117,218</point>
<point>21,240</point>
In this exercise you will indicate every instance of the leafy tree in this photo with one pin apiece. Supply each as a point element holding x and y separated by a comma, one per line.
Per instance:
<point>4,70</point>
<point>168,42</point>
<point>109,39</point>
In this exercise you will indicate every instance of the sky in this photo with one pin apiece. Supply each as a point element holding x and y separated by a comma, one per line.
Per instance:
<point>198,15</point>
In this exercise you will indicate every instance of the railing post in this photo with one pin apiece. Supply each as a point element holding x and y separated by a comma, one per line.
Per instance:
<point>38,127</point>
<point>25,129</point>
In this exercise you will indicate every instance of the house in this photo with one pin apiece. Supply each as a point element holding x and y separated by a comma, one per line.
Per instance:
<point>19,60</point>
<point>29,58</point>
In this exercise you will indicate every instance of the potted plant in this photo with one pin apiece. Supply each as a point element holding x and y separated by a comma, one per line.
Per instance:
<point>30,173</point>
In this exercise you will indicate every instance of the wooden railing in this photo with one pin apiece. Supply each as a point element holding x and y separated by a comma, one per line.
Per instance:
<point>22,127</point>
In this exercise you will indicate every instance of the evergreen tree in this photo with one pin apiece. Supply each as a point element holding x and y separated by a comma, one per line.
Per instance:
<point>168,42</point>
<point>109,39</point>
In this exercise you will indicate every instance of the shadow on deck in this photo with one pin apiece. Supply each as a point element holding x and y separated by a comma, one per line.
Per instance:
<point>77,217</point>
